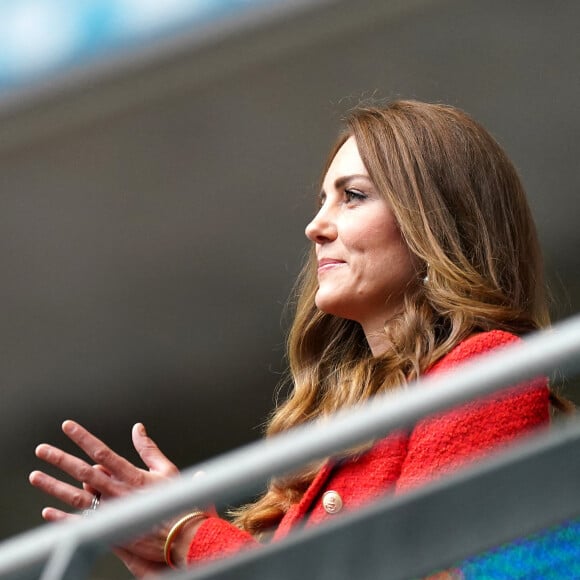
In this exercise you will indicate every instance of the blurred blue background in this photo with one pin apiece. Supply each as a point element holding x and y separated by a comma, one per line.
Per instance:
<point>41,37</point>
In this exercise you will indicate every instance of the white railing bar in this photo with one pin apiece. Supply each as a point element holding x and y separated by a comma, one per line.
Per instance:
<point>66,555</point>
<point>230,476</point>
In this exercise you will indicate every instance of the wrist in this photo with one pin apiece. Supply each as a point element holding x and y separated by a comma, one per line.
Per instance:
<point>180,537</point>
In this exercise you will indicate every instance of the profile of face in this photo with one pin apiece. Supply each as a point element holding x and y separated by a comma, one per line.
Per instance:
<point>364,265</point>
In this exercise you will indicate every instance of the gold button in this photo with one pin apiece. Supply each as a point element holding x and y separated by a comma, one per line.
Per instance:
<point>331,502</point>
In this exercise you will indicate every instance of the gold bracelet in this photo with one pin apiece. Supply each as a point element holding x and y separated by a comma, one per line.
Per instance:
<point>175,529</point>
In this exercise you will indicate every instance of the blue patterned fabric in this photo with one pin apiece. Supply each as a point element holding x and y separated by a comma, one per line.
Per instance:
<point>553,554</point>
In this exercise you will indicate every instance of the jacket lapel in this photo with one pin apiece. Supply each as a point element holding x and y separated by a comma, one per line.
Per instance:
<point>298,511</point>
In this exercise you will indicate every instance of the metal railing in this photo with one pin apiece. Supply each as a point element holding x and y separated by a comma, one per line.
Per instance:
<point>67,550</point>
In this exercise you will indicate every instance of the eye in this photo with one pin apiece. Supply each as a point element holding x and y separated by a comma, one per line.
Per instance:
<point>354,195</point>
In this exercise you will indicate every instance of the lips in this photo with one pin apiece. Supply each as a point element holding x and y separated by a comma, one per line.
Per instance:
<point>329,263</point>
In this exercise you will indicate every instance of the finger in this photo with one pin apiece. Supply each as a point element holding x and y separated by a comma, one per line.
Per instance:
<point>75,497</point>
<point>51,514</point>
<point>150,453</point>
<point>78,469</point>
<point>103,455</point>
<point>91,489</point>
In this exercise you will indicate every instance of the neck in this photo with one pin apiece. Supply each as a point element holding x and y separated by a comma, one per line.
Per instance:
<point>375,335</point>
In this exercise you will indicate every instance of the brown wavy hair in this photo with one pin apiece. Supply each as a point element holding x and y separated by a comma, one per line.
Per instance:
<point>463,213</point>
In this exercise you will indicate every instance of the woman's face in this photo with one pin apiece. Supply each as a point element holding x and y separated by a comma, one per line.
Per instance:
<point>364,266</point>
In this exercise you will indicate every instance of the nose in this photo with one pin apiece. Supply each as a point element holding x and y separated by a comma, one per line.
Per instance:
<point>322,228</point>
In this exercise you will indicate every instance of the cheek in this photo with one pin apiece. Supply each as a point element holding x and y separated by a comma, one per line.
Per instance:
<point>374,242</point>
<point>390,255</point>
<point>381,240</point>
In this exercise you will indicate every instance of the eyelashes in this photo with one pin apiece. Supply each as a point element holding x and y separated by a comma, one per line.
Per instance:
<point>354,195</point>
<point>350,196</point>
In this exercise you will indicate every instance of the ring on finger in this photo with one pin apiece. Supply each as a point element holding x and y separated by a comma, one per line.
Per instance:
<point>94,505</point>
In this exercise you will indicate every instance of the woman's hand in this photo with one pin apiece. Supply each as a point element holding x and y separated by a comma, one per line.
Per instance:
<point>113,476</point>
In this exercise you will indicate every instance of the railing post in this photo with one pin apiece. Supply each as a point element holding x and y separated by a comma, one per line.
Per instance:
<point>70,561</point>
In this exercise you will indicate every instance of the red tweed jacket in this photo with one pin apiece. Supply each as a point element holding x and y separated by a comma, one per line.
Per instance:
<point>400,461</point>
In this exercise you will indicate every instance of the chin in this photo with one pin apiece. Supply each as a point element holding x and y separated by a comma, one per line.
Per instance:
<point>338,308</point>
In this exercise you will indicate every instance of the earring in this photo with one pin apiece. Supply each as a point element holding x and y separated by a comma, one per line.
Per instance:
<point>426,277</point>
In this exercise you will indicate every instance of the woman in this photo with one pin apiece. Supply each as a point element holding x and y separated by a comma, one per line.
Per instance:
<point>424,255</point>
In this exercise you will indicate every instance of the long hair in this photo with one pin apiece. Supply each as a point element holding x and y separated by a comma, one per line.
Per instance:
<point>462,211</point>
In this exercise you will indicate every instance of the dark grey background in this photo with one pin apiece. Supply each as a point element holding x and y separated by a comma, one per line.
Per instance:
<point>152,210</point>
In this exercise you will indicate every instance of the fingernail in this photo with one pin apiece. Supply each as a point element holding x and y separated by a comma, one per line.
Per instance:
<point>141,429</point>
